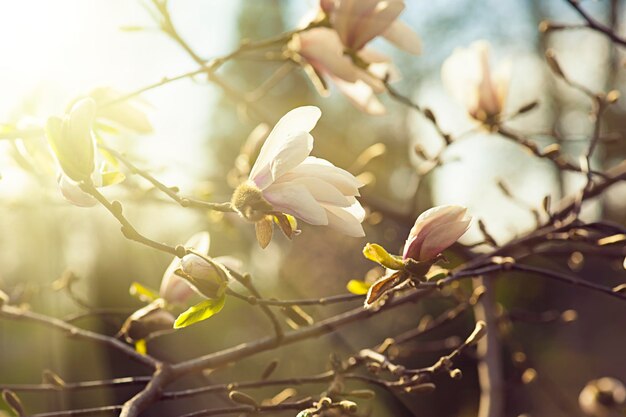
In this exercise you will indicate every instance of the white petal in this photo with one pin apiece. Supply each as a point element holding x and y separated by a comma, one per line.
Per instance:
<point>346,220</point>
<point>401,35</point>
<point>461,74</point>
<point>324,170</point>
<point>298,120</point>
<point>295,150</point>
<point>321,190</point>
<point>295,199</point>
<point>362,96</point>
<point>72,193</point>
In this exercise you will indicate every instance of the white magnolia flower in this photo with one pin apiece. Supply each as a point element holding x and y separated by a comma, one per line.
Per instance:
<point>359,21</point>
<point>468,77</point>
<point>434,231</point>
<point>286,179</point>
<point>177,290</point>
<point>71,139</point>
<point>72,142</point>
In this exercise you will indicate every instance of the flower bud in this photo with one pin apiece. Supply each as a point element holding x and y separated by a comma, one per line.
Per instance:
<point>435,230</point>
<point>71,140</point>
<point>147,320</point>
<point>210,279</point>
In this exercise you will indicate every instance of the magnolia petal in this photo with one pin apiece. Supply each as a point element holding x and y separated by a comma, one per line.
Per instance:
<point>175,289</point>
<point>321,190</point>
<point>72,193</point>
<point>324,51</point>
<point>295,199</point>
<point>402,36</point>
<point>346,220</point>
<point>362,96</point>
<point>294,150</point>
<point>327,5</point>
<point>441,237</point>
<point>341,179</point>
<point>376,22</point>
<point>426,222</point>
<point>301,119</point>
<point>461,74</point>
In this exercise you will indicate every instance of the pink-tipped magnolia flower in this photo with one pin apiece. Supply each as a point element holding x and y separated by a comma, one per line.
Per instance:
<point>359,21</point>
<point>468,76</point>
<point>286,179</point>
<point>322,49</point>
<point>177,290</point>
<point>434,231</point>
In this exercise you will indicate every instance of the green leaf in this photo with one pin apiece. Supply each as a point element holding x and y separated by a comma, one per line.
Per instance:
<point>199,312</point>
<point>142,293</point>
<point>378,254</point>
<point>358,287</point>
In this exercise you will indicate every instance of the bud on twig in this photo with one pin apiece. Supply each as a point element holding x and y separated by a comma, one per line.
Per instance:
<point>14,402</point>
<point>554,64</point>
<point>241,398</point>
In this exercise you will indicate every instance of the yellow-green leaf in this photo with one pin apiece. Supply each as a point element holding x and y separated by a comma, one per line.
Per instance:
<point>199,312</point>
<point>358,287</point>
<point>378,254</point>
<point>142,293</point>
<point>112,178</point>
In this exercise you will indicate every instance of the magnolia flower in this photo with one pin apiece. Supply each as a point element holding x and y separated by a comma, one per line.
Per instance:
<point>72,142</point>
<point>322,49</point>
<point>468,77</point>
<point>177,290</point>
<point>434,231</point>
<point>286,179</point>
<point>359,21</point>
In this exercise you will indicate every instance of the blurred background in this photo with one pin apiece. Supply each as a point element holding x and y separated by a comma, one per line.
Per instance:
<point>55,51</point>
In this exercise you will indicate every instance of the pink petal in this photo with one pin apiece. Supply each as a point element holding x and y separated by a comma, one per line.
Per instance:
<point>441,237</point>
<point>401,35</point>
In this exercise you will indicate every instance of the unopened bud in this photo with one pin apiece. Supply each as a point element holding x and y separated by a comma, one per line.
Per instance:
<point>348,406</point>
<point>612,96</point>
<point>479,332</point>
<point>456,374</point>
<point>241,398</point>
<point>209,278</point>
<point>554,64</point>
